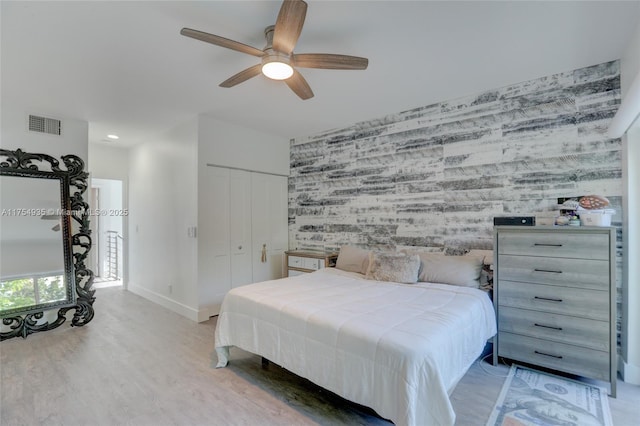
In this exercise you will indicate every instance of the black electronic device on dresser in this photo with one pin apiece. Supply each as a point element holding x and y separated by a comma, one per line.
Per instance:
<point>554,295</point>
<point>514,221</point>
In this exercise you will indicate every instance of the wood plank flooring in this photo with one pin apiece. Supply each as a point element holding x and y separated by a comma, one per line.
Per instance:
<point>139,364</point>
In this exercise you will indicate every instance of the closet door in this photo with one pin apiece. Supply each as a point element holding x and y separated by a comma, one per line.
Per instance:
<point>213,236</point>
<point>240,227</point>
<point>269,212</point>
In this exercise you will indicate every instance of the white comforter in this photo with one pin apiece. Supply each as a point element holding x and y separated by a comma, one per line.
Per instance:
<point>397,348</point>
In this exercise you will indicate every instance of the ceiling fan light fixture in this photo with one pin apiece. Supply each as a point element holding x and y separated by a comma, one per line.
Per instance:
<point>276,66</point>
<point>277,70</point>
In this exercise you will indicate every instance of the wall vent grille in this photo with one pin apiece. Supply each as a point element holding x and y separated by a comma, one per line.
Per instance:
<point>45,125</point>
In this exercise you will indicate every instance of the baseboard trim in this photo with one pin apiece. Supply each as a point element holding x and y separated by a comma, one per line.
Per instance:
<point>207,312</point>
<point>162,300</point>
<point>630,373</point>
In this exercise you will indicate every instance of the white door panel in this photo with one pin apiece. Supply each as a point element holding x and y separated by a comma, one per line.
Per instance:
<point>269,225</point>
<point>240,227</point>
<point>213,234</point>
<point>245,210</point>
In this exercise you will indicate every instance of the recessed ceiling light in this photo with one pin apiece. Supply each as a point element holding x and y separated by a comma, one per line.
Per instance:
<point>113,137</point>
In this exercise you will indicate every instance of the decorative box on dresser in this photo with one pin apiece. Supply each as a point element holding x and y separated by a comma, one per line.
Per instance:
<point>554,294</point>
<point>305,261</point>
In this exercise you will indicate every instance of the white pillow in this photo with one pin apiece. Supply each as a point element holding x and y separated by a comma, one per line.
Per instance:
<point>486,254</point>
<point>353,259</point>
<point>394,267</point>
<point>456,270</point>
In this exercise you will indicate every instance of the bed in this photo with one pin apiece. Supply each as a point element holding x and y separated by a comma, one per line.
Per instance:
<point>397,348</point>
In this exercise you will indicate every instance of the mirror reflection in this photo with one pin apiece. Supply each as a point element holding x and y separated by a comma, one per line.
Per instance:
<point>32,261</point>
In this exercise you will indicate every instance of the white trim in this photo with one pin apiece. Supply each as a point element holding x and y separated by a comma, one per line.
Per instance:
<point>204,313</point>
<point>630,373</point>
<point>629,110</point>
<point>177,307</point>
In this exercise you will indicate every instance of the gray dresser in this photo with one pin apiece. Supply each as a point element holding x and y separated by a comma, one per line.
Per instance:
<point>554,296</point>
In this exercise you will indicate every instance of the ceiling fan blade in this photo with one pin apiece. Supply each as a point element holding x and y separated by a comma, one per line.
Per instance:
<point>299,85</point>
<point>289,25</point>
<point>330,61</point>
<point>242,76</point>
<point>221,41</point>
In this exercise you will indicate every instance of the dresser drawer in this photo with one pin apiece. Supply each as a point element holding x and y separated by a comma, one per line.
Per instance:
<point>558,356</point>
<point>555,244</point>
<point>558,300</point>
<point>590,274</point>
<point>560,328</point>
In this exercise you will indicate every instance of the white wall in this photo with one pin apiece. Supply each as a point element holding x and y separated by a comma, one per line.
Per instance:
<point>631,296</point>
<point>630,359</point>
<point>630,62</point>
<point>162,206</point>
<point>14,133</point>
<point>229,145</point>
<point>108,162</point>
<point>112,163</point>
<point>167,195</point>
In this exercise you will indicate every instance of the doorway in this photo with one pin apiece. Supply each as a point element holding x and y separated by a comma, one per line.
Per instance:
<point>107,232</point>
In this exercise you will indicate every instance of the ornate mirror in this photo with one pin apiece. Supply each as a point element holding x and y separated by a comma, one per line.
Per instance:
<point>44,242</point>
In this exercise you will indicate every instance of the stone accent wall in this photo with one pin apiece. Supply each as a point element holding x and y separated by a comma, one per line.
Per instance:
<point>436,176</point>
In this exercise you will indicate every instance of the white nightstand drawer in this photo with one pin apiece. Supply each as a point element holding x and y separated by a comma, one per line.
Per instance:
<point>302,261</point>
<point>296,262</point>
<point>311,263</point>
<point>293,273</point>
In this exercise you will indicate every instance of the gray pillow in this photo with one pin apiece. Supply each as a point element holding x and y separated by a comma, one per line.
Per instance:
<point>395,267</point>
<point>353,259</point>
<point>456,270</point>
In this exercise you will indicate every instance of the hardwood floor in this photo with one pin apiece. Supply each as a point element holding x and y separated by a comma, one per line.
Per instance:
<point>139,364</point>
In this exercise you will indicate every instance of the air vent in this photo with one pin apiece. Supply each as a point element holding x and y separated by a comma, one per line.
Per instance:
<point>45,125</point>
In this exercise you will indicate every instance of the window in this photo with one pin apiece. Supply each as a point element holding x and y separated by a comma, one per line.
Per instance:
<point>19,292</point>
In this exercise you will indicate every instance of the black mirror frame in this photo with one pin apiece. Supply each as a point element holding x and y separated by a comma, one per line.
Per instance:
<point>76,249</point>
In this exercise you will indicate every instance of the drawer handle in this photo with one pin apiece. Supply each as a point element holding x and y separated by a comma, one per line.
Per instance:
<point>548,326</point>
<point>547,245</point>
<point>548,270</point>
<point>548,299</point>
<point>552,356</point>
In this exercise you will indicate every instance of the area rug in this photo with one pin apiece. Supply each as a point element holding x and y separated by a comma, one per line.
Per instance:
<point>534,398</point>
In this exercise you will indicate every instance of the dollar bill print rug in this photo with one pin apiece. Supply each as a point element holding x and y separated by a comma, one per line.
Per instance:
<point>534,398</point>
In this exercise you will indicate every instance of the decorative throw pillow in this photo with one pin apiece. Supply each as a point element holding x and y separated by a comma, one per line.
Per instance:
<point>395,267</point>
<point>353,259</point>
<point>456,270</point>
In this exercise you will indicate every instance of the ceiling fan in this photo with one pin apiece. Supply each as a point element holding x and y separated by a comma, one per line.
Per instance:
<point>278,60</point>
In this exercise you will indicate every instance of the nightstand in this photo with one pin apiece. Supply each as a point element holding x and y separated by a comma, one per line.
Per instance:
<point>305,261</point>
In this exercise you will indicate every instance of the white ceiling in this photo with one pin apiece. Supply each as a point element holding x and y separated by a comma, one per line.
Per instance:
<point>123,66</point>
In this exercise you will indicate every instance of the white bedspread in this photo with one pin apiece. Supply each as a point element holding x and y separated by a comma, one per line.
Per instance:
<point>397,348</point>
